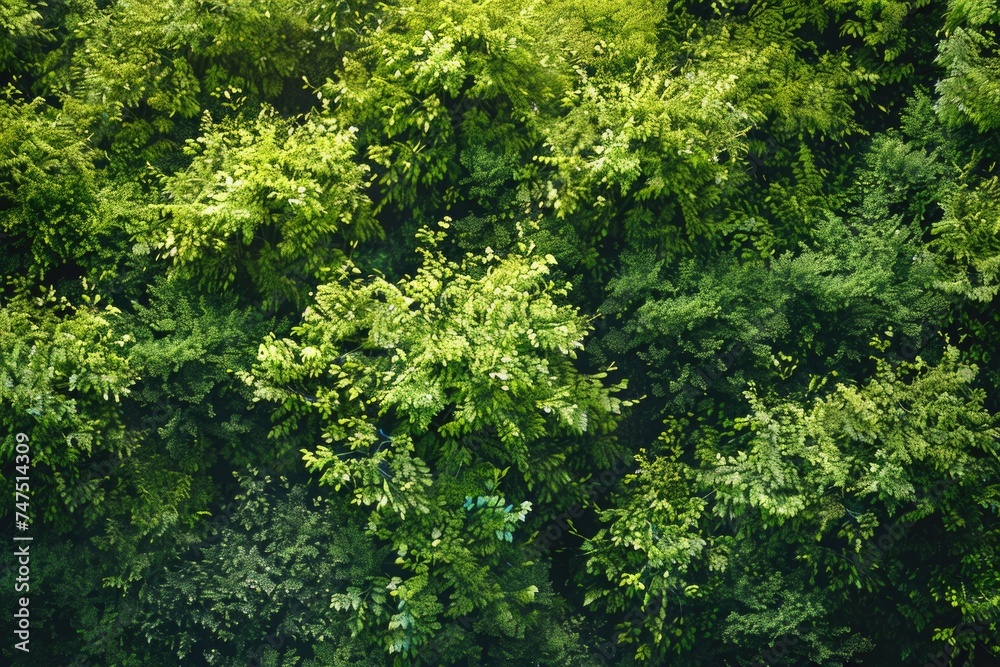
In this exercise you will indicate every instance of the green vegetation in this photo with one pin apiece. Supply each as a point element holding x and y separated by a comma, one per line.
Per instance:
<point>503,332</point>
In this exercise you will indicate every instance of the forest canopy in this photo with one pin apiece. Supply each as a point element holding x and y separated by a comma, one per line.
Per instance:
<point>500,332</point>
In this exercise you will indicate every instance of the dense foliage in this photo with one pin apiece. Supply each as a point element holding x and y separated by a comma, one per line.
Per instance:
<point>503,332</point>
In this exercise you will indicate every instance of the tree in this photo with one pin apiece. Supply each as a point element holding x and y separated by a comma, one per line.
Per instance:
<point>291,579</point>
<point>818,485</point>
<point>970,88</point>
<point>62,380</point>
<point>741,197</point>
<point>395,378</point>
<point>49,192</point>
<point>270,200</point>
<point>18,24</point>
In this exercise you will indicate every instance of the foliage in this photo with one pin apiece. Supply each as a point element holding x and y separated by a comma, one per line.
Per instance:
<point>969,236</point>
<point>18,24</point>
<point>188,416</point>
<point>49,192</point>
<point>165,56</point>
<point>717,323</point>
<point>394,378</point>
<point>820,478</point>
<point>269,198</point>
<point>775,224</point>
<point>971,86</point>
<point>291,580</point>
<point>63,377</point>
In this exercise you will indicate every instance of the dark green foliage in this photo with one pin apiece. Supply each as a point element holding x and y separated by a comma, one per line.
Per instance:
<point>187,348</point>
<point>291,578</point>
<point>877,455</point>
<point>19,25</point>
<point>63,376</point>
<point>970,88</point>
<point>48,188</point>
<point>575,332</point>
<point>718,323</point>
